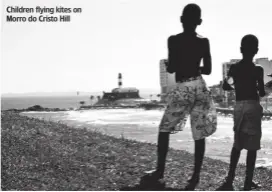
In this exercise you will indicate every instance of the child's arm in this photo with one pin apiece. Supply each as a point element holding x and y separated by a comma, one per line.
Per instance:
<point>207,61</point>
<point>226,86</point>
<point>260,81</point>
<point>170,67</point>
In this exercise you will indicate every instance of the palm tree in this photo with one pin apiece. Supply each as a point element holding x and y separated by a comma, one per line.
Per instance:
<point>91,98</point>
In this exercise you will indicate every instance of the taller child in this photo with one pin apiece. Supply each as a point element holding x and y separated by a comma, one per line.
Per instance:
<point>189,96</point>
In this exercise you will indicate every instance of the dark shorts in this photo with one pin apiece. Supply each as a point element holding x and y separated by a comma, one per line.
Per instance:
<point>247,125</point>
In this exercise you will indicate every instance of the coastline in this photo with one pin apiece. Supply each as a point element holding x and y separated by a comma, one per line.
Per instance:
<point>54,156</point>
<point>141,125</point>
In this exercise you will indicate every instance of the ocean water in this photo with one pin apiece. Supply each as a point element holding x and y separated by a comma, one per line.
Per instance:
<point>57,101</point>
<point>142,125</point>
<point>49,101</point>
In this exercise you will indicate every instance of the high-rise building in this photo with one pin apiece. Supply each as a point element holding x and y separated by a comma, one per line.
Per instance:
<point>166,79</point>
<point>267,66</point>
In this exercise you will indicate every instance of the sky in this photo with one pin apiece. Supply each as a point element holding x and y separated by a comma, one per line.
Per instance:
<point>119,36</point>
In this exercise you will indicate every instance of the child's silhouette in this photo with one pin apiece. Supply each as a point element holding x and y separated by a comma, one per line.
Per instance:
<point>189,96</point>
<point>249,86</point>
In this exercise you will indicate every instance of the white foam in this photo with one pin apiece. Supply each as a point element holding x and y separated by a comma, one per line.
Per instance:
<point>127,116</point>
<point>115,116</point>
<point>150,119</point>
<point>40,112</point>
<point>263,162</point>
<point>213,137</point>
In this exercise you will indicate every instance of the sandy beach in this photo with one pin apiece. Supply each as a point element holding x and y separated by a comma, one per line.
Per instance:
<point>142,125</point>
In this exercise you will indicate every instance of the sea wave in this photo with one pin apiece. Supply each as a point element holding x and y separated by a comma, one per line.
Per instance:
<point>142,125</point>
<point>264,162</point>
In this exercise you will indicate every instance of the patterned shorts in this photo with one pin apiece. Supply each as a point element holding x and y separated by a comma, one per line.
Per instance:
<point>247,125</point>
<point>190,98</point>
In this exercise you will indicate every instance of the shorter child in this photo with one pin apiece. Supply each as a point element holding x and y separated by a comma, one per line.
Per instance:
<point>249,87</point>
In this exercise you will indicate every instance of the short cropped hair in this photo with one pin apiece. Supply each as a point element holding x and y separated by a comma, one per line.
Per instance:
<point>192,11</point>
<point>250,41</point>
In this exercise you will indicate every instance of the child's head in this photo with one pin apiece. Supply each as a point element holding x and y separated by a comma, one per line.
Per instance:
<point>191,17</point>
<point>249,46</point>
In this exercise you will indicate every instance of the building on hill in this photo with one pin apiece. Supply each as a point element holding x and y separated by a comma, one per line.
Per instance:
<point>120,92</point>
<point>125,90</point>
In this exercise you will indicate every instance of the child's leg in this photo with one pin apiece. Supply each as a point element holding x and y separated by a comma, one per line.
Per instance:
<point>234,158</point>
<point>199,108</point>
<point>158,174</point>
<point>163,145</point>
<point>199,155</point>
<point>250,166</point>
<point>235,155</point>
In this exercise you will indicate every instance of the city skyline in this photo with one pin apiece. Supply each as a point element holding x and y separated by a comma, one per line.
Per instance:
<point>111,37</point>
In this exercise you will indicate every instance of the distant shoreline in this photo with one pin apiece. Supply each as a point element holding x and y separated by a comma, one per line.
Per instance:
<point>147,106</point>
<point>143,91</point>
<point>50,101</point>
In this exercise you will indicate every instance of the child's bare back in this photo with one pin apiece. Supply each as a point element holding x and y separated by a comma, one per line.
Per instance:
<point>186,50</point>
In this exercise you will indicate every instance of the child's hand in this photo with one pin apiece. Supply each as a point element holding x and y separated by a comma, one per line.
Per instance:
<point>230,81</point>
<point>227,84</point>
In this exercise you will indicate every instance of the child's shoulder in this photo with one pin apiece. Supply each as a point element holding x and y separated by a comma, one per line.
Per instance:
<point>180,35</point>
<point>202,38</point>
<point>259,68</point>
<point>172,38</point>
<point>204,41</point>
